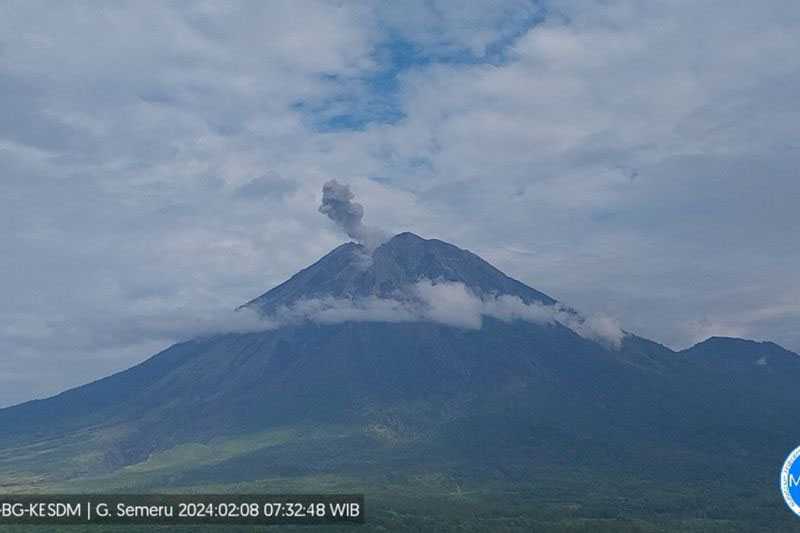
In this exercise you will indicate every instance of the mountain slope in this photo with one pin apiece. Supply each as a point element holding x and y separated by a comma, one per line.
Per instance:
<point>331,372</point>
<point>501,402</point>
<point>232,370</point>
<point>349,271</point>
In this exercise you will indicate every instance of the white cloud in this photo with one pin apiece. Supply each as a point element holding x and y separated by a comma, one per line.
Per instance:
<point>600,328</point>
<point>449,303</point>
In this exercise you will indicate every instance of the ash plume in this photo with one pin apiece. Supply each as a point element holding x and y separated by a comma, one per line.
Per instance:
<point>338,205</point>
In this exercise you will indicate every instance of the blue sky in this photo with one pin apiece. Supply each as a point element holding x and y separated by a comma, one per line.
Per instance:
<point>163,161</point>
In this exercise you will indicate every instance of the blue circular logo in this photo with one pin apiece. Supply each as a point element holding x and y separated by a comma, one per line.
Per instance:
<point>790,481</point>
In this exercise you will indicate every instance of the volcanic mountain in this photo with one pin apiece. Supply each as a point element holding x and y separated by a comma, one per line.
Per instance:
<point>349,271</point>
<point>498,400</point>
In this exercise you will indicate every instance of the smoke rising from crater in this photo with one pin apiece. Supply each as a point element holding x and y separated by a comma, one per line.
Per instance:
<point>338,205</point>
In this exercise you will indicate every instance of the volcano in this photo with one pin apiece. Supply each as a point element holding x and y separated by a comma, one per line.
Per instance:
<point>511,402</point>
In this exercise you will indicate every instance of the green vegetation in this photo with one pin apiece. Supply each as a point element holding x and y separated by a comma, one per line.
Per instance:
<point>437,494</point>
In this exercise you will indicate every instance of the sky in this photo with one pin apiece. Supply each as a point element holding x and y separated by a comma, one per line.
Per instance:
<point>165,160</point>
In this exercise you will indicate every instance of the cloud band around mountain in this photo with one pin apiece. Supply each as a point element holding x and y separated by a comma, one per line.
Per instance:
<point>449,303</point>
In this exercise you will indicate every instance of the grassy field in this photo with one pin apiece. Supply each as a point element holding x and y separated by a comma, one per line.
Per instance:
<point>434,495</point>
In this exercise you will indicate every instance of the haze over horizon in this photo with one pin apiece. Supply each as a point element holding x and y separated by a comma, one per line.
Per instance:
<point>159,162</point>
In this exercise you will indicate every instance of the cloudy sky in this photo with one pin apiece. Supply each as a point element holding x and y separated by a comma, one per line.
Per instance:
<point>164,160</point>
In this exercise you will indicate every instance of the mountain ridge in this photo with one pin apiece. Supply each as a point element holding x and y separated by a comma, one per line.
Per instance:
<point>350,271</point>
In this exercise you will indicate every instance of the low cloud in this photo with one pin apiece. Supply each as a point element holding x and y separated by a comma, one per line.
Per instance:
<point>455,304</point>
<point>448,303</point>
<point>57,333</point>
